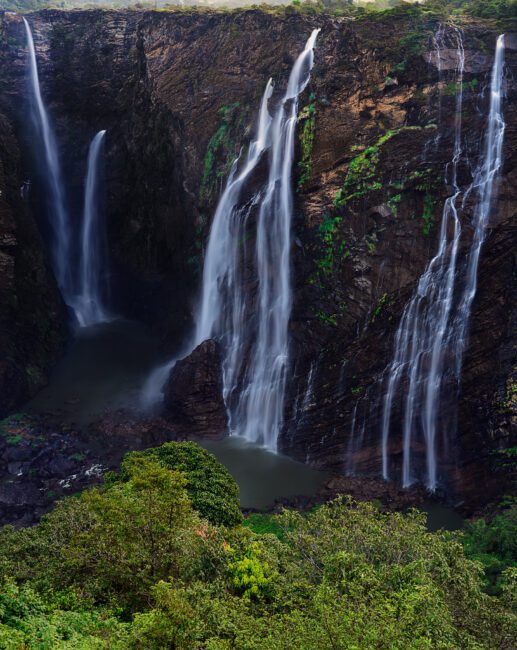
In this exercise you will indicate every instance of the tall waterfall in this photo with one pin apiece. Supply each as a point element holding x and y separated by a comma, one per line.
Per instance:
<point>485,178</point>
<point>88,299</point>
<point>259,413</point>
<point>246,297</point>
<point>254,333</point>
<point>59,225</point>
<point>432,331</point>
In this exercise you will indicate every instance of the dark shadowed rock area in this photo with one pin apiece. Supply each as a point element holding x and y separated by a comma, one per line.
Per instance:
<point>193,393</point>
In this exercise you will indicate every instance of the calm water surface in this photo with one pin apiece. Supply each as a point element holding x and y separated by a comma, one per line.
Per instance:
<point>103,369</point>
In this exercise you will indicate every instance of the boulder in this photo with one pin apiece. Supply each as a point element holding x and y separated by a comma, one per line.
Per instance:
<point>193,394</point>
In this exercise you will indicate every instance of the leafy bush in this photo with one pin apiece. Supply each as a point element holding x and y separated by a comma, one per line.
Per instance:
<point>212,489</point>
<point>493,544</point>
<point>113,543</point>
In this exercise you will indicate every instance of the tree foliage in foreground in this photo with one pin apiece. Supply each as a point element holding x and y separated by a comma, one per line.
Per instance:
<point>132,564</point>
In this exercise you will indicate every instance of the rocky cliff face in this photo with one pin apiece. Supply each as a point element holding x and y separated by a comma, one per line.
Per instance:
<point>177,93</point>
<point>32,315</point>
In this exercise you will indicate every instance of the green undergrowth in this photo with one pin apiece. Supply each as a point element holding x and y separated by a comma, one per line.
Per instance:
<point>134,564</point>
<point>494,545</point>
<point>307,118</point>
<point>220,153</point>
<point>264,524</point>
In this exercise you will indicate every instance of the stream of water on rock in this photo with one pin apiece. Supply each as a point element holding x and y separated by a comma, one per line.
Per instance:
<point>58,221</point>
<point>432,333</point>
<point>80,279</point>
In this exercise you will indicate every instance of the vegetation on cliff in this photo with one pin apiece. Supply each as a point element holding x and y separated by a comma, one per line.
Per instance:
<point>498,9</point>
<point>134,564</point>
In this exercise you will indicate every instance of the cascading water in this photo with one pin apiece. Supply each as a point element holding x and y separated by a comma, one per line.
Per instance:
<point>433,327</point>
<point>59,224</point>
<point>81,287</point>
<point>259,414</point>
<point>253,331</point>
<point>222,306</point>
<point>485,178</point>
<point>254,392</point>
<point>88,302</point>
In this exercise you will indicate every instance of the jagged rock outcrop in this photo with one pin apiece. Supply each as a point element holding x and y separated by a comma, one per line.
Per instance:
<point>193,395</point>
<point>177,93</point>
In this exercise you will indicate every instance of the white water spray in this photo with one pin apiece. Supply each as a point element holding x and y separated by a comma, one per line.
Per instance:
<point>485,179</point>
<point>252,330</point>
<point>259,414</point>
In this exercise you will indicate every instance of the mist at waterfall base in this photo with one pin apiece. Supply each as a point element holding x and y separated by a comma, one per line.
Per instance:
<point>78,258</point>
<point>253,332</point>
<point>102,370</point>
<point>433,331</point>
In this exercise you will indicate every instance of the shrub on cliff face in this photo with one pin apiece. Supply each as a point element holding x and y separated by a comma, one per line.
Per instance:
<point>211,487</point>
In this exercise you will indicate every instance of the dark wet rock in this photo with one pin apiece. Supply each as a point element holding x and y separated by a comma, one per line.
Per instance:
<point>17,495</point>
<point>193,394</point>
<point>32,316</point>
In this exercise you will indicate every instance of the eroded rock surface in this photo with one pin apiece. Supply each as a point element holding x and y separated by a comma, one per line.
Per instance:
<point>193,394</point>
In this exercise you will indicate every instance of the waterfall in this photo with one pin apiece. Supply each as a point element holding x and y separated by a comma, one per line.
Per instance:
<point>221,309</point>
<point>88,300</point>
<point>254,386</point>
<point>252,329</point>
<point>485,178</point>
<point>259,415</point>
<point>433,323</point>
<point>59,224</point>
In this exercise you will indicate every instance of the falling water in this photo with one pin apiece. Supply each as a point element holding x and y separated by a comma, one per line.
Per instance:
<point>58,218</point>
<point>252,330</point>
<point>222,311</point>
<point>485,178</point>
<point>431,326</point>
<point>88,301</point>
<point>260,408</point>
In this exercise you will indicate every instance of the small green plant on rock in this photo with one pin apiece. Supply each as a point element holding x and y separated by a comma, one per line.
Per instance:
<point>220,148</point>
<point>427,215</point>
<point>308,118</point>
<point>328,319</point>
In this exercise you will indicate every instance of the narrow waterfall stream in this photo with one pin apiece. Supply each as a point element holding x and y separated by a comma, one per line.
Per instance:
<point>58,218</point>
<point>88,302</point>
<point>432,333</point>
<point>484,184</point>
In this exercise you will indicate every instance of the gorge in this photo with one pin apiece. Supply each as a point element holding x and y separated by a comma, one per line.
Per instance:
<point>328,257</point>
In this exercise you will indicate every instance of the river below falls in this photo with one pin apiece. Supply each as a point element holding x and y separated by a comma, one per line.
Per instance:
<point>105,368</point>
